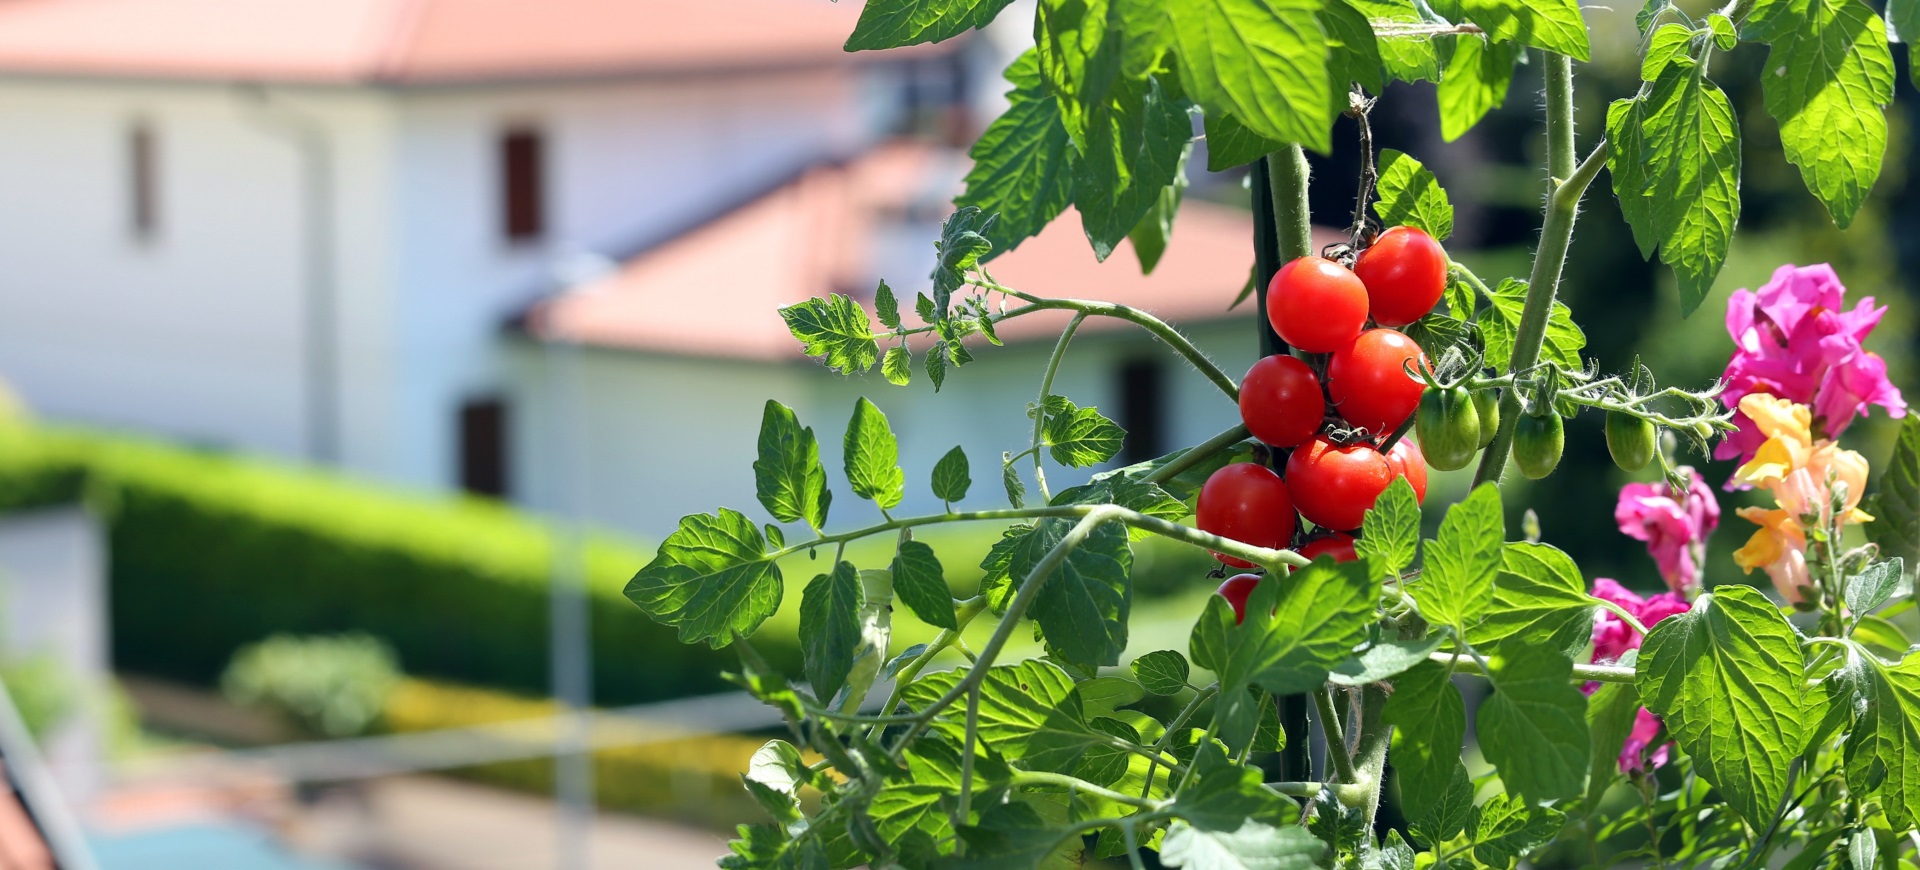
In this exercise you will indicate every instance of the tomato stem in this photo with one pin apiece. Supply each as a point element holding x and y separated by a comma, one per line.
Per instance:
<point>1556,232</point>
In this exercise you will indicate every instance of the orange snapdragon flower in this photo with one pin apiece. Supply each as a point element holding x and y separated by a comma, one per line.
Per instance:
<point>1797,469</point>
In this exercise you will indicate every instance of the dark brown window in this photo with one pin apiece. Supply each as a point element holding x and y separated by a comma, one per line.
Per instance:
<point>1142,388</point>
<point>483,447</point>
<point>523,189</point>
<point>143,182</point>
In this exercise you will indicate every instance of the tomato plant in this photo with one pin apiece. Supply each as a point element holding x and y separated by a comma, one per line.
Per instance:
<point>1337,484</point>
<point>1369,383</point>
<point>1245,502</point>
<point>1281,402</point>
<point>1317,305</point>
<point>1405,272</point>
<point>1713,724</point>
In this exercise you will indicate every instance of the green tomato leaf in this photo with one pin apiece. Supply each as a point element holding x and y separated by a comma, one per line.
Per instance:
<point>1669,42</point>
<point>1230,143</point>
<point>886,307</point>
<point>1499,323</point>
<point>1430,723</point>
<point>1727,675</point>
<point>1554,25</point>
<point>1383,660</point>
<point>1451,812</point>
<point>1023,163</point>
<point>830,628</point>
<point>1297,628</point>
<point>1534,727</point>
<point>1082,607</point>
<point>711,579</point>
<point>1903,20</point>
<point>1149,34</point>
<point>1223,795</point>
<point>1538,597</point>
<point>934,775</point>
<point>873,456</point>
<point>1352,53</point>
<point>1134,495</point>
<point>1509,828</point>
<point>1137,141</point>
<point>1078,437</point>
<point>836,330</point>
<point>1253,846</point>
<point>1872,587</point>
<point>1028,712</point>
<point>788,477</point>
<point>1390,535</point>
<point>897,366</point>
<point>1896,506</point>
<point>1828,79</point>
<point>1013,834</point>
<point>950,476</point>
<point>1882,703</point>
<point>1265,62</point>
<point>1409,58</point>
<point>1676,171</point>
<point>1010,479</point>
<point>1474,84</point>
<point>1457,586</point>
<point>1151,234</point>
<point>1410,195</point>
<point>921,584</point>
<point>894,23</point>
<point>1162,672</point>
<point>1078,59</point>
<point>1610,715</point>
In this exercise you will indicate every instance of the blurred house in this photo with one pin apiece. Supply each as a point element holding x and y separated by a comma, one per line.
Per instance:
<point>402,237</point>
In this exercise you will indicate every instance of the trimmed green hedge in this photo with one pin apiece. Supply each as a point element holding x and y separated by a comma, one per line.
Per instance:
<point>210,552</point>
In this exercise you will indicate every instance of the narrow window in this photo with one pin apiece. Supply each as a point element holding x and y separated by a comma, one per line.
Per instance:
<point>143,182</point>
<point>523,185</point>
<point>1142,389</point>
<point>483,447</point>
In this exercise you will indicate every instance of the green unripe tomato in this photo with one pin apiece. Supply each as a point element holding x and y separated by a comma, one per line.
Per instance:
<point>1449,428</point>
<point>1538,443</point>
<point>1486,403</point>
<point>1630,440</point>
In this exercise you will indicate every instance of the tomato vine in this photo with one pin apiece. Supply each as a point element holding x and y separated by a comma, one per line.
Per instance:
<point>1707,725</point>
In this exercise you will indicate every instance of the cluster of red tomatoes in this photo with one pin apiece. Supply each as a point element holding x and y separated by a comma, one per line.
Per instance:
<point>1329,413</point>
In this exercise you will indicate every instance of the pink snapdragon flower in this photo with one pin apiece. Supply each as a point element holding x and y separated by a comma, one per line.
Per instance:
<point>1634,757</point>
<point>1612,638</point>
<point>1792,339</point>
<point>1675,529</point>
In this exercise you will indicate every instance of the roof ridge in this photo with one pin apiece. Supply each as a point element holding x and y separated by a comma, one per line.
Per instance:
<point>394,38</point>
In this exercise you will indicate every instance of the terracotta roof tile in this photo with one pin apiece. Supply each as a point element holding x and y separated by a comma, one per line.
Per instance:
<point>408,41</point>
<point>713,291</point>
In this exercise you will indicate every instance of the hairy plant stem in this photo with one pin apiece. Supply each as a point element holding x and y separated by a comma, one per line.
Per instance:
<point>964,612</point>
<point>1375,733</point>
<point>1582,673</point>
<point>1092,308</point>
<point>1197,454</point>
<point>1556,232</point>
<point>1272,560</point>
<point>1336,738</point>
<point>1040,405</point>
<point>1287,174</point>
<point>1034,777</point>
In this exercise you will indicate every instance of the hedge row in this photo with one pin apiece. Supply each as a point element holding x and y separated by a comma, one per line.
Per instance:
<point>210,552</point>
<point>695,779</point>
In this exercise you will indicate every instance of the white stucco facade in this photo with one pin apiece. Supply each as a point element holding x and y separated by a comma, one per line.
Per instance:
<point>205,331</point>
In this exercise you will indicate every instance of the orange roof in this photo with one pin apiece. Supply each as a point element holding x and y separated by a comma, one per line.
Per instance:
<point>415,41</point>
<point>712,291</point>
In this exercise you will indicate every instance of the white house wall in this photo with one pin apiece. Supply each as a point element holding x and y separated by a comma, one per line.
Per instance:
<point>666,436</point>
<point>198,333</point>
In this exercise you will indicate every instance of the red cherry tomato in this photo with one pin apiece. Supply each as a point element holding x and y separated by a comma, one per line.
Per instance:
<point>1236,590</point>
<point>1337,545</point>
<point>1405,272</point>
<point>1247,503</point>
<point>1280,401</point>
<point>1407,461</point>
<point>1368,381</point>
<point>1335,486</point>
<point>1316,304</point>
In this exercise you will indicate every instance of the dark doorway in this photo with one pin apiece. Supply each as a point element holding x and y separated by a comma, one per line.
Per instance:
<point>483,447</point>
